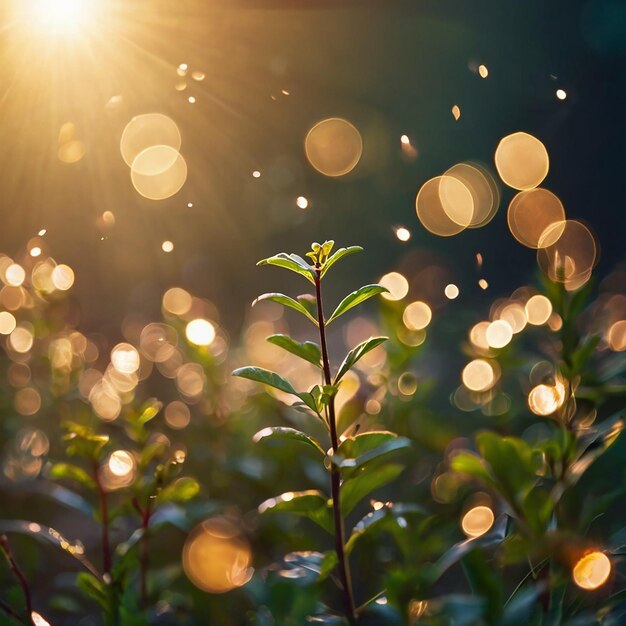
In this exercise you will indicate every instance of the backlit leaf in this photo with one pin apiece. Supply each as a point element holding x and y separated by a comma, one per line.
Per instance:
<point>288,302</point>
<point>355,298</point>
<point>309,351</point>
<point>357,353</point>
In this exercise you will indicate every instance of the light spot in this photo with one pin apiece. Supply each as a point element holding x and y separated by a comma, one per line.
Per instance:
<point>333,147</point>
<point>522,161</point>
<point>167,246</point>
<point>200,332</point>
<point>451,291</point>
<point>592,571</point>
<point>397,285</point>
<point>478,375</point>
<point>477,521</point>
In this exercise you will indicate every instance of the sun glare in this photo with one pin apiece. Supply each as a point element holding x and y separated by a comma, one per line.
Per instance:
<point>61,16</point>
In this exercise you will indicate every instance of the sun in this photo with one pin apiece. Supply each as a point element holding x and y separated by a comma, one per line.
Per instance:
<point>62,16</point>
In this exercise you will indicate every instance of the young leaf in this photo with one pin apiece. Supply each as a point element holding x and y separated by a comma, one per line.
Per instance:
<point>93,588</point>
<point>312,504</point>
<point>357,353</point>
<point>291,262</point>
<point>278,432</point>
<point>308,350</point>
<point>260,375</point>
<point>355,298</point>
<point>288,302</point>
<point>62,471</point>
<point>149,410</point>
<point>339,254</point>
<point>354,489</point>
<point>182,490</point>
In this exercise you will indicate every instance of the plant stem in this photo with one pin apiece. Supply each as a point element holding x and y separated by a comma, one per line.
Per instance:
<point>104,515</point>
<point>335,475</point>
<point>145,548</point>
<point>17,572</point>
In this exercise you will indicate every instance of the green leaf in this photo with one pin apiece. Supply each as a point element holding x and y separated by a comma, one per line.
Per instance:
<point>288,302</point>
<point>355,298</point>
<point>281,432</point>
<point>473,466</point>
<point>356,354</point>
<point>93,588</point>
<point>150,410</point>
<point>374,456</point>
<point>83,441</point>
<point>67,471</point>
<point>393,514</point>
<point>260,375</point>
<point>354,489</point>
<point>182,490</point>
<point>339,254</point>
<point>312,504</point>
<point>292,262</point>
<point>309,351</point>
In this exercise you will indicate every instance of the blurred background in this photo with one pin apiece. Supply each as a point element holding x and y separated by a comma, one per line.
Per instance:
<point>152,151</point>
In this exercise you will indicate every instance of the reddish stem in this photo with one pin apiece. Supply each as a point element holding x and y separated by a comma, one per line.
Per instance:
<point>335,475</point>
<point>17,572</point>
<point>104,514</point>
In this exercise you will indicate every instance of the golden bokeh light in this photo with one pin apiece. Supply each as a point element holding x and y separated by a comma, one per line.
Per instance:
<point>514,314</point>
<point>121,463</point>
<point>402,233</point>
<point>571,258</point>
<point>177,415</point>
<point>14,275</point>
<point>544,399</point>
<point>592,571</point>
<point>200,332</point>
<point>481,186</point>
<point>125,358</point>
<point>62,277</point>
<point>456,112</point>
<point>444,209</point>
<point>499,334</point>
<point>217,557</point>
<point>478,335</point>
<point>522,161</point>
<point>159,172</point>
<point>105,400</point>
<point>483,72</point>
<point>417,315</point>
<point>147,131</point>
<point>397,285</point>
<point>7,323</point>
<point>538,310</point>
<point>477,521</point>
<point>479,375</point>
<point>333,147</point>
<point>531,213</point>
<point>616,335</point>
<point>177,301</point>
<point>451,291</point>
<point>21,339</point>
<point>158,342</point>
<point>27,401</point>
